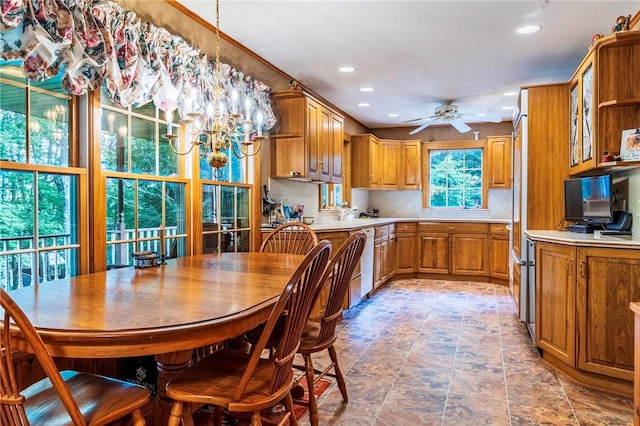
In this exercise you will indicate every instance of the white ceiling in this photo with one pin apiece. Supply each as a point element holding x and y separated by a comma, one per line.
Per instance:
<point>415,54</point>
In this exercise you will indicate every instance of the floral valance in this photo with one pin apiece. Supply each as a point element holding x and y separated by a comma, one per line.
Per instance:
<point>93,41</point>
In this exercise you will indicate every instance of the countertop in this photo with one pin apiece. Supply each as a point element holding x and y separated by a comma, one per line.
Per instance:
<point>577,239</point>
<point>353,224</point>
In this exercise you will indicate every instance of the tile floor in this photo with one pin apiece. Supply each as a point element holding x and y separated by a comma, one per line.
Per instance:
<point>452,353</point>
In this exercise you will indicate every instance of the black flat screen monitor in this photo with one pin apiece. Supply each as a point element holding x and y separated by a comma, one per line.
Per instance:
<point>573,200</point>
<point>597,201</point>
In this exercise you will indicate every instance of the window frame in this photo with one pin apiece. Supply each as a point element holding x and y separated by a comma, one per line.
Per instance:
<point>454,145</point>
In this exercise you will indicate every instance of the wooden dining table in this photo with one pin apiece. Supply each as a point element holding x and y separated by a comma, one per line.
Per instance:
<point>165,311</point>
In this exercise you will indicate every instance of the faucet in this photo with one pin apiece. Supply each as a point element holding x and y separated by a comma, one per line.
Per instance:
<point>343,213</point>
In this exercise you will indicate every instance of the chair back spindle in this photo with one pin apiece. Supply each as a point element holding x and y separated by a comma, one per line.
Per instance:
<point>292,238</point>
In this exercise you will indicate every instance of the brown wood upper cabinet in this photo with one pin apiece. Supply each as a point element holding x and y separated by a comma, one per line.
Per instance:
<point>499,148</point>
<point>385,164</point>
<point>308,139</point>
<point>604,95</point>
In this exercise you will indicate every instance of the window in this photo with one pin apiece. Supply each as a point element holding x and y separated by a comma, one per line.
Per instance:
<point>34,118</point>
<point>40,226</point>
<point>145,197</point>
<point>331,195</point>
<point>225,218</point>
<point>455,175</point>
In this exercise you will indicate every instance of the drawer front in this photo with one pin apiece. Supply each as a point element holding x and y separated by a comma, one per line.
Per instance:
<point>498,228</point>
<point>406,227</point>
<point>453,227</point>
<point>382,230</point>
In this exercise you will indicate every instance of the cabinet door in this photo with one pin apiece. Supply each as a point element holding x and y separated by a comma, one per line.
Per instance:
<point>374,163</point>
<point>377,262</point>
<point>470,254</point>
<point>337,141</point>
<point>499,162</point>
<point>313,134</point>
<point>406,253</point>
<point>434,253</point>
<point>556,301</point>
<point>583,105</point>
<point>389,156</point>
<point>608,281</point>
<point>393,255</point>
<point>409,172</point>
<point>499,256</point>
<point>325,144</point>
<point>336,239</point>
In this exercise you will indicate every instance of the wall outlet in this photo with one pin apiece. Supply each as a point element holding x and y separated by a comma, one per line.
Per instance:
<point>407,205</point>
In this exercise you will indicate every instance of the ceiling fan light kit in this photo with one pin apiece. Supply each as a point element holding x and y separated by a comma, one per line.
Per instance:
<point>447,113</point>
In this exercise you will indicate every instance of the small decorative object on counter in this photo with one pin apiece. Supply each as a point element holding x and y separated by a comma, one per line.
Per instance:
<point>146,259</point>
<point>606,157</point>
<point>622,24</point>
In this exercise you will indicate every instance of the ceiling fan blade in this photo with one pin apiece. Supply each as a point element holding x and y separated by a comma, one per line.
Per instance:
<point>460,125</point>
<point>424,126</point>
<point>472,118</point>
<point>418,119</point>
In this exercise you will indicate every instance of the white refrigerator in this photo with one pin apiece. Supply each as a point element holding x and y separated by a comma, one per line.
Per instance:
<point>521,280</point>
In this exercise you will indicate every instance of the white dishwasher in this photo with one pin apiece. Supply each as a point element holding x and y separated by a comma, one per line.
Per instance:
<point>366,264</point>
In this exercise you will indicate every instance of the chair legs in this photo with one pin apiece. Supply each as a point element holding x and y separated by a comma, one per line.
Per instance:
<point>175,418</point>
<point>312,379</point>
<point>288,403</point>
<point>310,374</point>
<point>339,378</point>
<point>137,419</point>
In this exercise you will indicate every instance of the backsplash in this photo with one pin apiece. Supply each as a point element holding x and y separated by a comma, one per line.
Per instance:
<point>409,204</point>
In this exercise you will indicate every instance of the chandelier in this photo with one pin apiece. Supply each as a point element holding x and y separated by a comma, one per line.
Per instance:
<point>216,127</point>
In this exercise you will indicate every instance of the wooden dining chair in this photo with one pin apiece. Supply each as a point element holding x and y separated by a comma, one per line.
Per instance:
<point>320,334</point>
<point>242,382</point>
<point>62,398</point>
<point>292,238</point>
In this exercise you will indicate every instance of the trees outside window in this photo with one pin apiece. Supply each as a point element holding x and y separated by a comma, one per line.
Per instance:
<point>40,229</point>
<point>455,175</point>
<point>455,178</point>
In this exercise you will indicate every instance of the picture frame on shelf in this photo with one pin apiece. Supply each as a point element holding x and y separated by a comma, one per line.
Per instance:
<point>630,145</point>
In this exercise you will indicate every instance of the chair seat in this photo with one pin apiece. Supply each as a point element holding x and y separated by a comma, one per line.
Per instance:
<point>309,338</point>
<point>101,399</point>
<point>213,380</point>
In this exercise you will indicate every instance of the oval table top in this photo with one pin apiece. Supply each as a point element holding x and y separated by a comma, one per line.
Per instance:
<point>186,303</point>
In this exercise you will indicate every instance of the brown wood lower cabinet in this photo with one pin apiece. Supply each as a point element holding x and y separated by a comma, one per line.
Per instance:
<point>608,281</point>
<point>556,301</point>
<point>499,251</point>
<point>461,249</point>
<point>470,254</point>
<point>406,247</point>
<point>434,252</point>
<point>336,238</point>
<point>583,319</point>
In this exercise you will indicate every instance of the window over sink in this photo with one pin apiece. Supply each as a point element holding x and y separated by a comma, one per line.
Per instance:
<point>456,175</point>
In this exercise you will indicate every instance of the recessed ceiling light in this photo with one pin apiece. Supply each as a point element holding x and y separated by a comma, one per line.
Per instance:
<point>510,93</point>
<point>506,108</point>
<point>366,89</point>
<point>528,29</point>
<point>393,114</point>
<point>346,69</point>
<point>363,104</point>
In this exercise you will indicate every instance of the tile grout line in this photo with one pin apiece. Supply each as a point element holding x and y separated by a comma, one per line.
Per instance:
<point>504,367</point>
<point>453,363</point>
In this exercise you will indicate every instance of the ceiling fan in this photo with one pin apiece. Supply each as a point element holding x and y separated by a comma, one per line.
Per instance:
<point>447,113</point>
